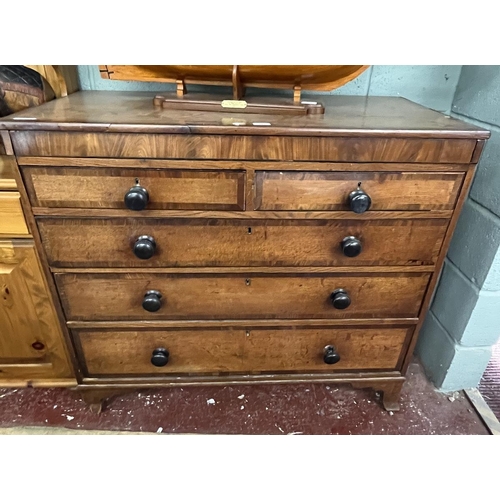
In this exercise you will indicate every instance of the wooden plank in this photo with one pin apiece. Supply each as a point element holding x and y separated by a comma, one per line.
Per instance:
<point>112,385</point>
<point>248,270</point>
<point>248,215</point>
<point>52,161</point>
<point>236,323</point>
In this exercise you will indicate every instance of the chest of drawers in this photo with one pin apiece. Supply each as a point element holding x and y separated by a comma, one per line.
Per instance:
<point>207,248</point>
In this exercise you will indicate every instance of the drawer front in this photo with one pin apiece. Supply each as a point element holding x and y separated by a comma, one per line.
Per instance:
<point>78,242</point>
<point>106,188</point>
<point>250,147</point>
<point>226,351</point>
<point>121,296</point>
<point>330,190</point>
<point>12,220</point>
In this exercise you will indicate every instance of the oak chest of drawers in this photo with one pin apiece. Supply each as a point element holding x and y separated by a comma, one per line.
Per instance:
<point>189,248</point>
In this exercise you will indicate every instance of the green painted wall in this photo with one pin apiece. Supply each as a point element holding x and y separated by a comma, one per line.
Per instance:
<point>431,86</point>
<point>455,342</point>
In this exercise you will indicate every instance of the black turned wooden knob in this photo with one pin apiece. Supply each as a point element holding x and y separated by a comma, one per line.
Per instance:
<point>340,299</point>
<point>351,246</point>
<point>152,301</point>
<point>330,355</point>
<point>160,356</point>
<point>359,201</point>
<point>144,247</point>
<point>136,198</point>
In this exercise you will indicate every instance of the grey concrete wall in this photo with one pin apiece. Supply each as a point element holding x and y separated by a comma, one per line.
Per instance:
<point>431,86</point>
<point>463,323</point>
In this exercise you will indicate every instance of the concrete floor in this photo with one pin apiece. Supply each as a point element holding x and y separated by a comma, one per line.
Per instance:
<point>258,409</point>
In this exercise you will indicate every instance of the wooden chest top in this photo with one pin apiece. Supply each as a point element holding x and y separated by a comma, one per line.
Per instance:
<point>99,111</point>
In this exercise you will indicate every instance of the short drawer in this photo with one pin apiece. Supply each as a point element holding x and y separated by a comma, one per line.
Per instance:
<point>91,242</point>
<point>231,351</point>
<point>330,190</point>
<point>127,296</point>
<point>68,187</point>
<point>12,220</point>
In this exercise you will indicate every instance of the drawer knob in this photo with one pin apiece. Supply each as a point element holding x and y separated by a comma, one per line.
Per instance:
<point>160,357</point>
<point>340,299</point>
<point>136,197</point>
<point>152,301</point>
<point>351,246</point>
<point>359,201</point>
<point>330,355</point>
<point>144,247</point>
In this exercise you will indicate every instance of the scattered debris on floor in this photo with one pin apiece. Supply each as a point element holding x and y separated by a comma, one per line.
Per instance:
<point>268,409</point>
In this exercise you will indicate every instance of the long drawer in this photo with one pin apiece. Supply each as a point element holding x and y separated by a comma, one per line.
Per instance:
<point>124,296</point>
<point>224,351</point>
<point>250,147</point>
<point>106,187</point>
<point>78,242</point>
<point>330,190</point>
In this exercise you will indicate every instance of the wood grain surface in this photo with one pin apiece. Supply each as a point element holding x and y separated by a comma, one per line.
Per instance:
<point>195,351</point>
<point>330,191</point>
<point>106,188</point>
<point>12,220</point>
<point>353,116</point>
<point>7,166</point>
<point>250,147</point>
<point>119,296</point>
<point>71,242</point>
<point>27,318</point>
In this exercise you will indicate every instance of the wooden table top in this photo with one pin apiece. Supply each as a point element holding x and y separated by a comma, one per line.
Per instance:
<point>108,111</point>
